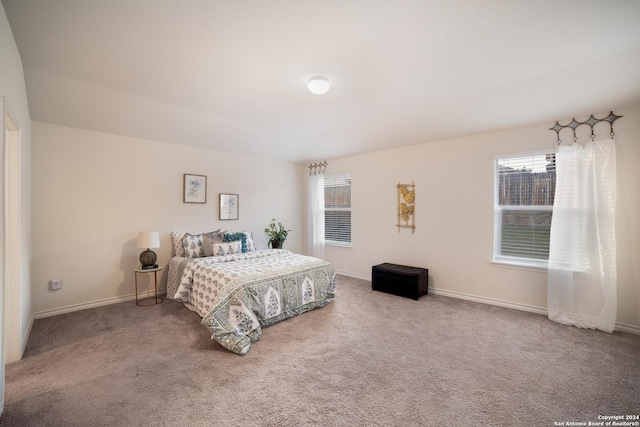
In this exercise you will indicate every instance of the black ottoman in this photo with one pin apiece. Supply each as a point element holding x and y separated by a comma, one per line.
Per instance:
<point>410,282</point>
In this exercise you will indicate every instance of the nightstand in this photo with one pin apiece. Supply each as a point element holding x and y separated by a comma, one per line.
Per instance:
<point>155,283</point>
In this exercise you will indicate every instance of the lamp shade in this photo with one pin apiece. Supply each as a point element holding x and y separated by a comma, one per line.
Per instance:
<point>148,239</point>
<point>318,85</point>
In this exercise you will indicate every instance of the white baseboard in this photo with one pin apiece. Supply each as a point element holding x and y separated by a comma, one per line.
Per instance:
<point>627,328</point>
<point>25,337</point>
<point>453,294</point>
<point>354,275</point>
<point>97,303</point>
<point>492,301</point>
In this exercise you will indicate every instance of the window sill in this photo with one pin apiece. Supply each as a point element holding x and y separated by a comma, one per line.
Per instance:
<point>339,245</point>
<point>540,267</point>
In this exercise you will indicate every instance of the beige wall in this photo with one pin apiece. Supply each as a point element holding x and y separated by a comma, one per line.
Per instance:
<point>454,216</point>
<point>91,197</point>
<point>93,192</point>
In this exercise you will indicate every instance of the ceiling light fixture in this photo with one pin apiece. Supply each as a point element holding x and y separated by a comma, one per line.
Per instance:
<point>318,85</point>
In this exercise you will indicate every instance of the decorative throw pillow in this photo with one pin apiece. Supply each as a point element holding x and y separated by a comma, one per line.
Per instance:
<point>249,240</point>
<point>178,240</point>
<point>230,237</point>
<point>193,245</point>
<point>176,237</point>
<point>227,248</point>
<point>209,239</point>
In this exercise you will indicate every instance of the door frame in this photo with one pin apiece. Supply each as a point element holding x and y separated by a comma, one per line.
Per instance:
<point>12,230</point>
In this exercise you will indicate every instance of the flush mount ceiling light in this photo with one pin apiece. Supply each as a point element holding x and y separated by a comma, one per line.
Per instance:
<point>318,85</point>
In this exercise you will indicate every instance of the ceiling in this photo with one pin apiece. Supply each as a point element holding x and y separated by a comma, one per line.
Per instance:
<point>231,75</point>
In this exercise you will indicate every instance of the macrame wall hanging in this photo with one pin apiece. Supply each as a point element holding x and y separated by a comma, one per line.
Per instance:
<point>406,206</point>
<point>591,122</point>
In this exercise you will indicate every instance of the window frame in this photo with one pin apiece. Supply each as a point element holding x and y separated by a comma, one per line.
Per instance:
<point>498,258</point>
<point>338,243</point>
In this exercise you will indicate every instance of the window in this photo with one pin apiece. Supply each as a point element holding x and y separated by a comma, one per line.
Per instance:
<point>523,206</point>
<point>337,210</point>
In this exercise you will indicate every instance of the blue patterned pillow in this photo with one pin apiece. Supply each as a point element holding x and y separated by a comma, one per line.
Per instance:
<point>231,237</point>
<point>193,245</point>
<point>179,242</point>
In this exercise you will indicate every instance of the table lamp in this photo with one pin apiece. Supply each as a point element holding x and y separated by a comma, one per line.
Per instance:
<point>148,239</point>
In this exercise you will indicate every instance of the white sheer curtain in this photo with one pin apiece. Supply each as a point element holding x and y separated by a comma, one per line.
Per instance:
<point>316,213</point>
<point>582,251</point>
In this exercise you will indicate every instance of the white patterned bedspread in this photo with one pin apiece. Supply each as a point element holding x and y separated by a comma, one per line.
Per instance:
<point>237,295</point>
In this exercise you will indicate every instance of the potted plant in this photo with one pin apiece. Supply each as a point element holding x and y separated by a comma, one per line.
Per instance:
<point>277,234</point>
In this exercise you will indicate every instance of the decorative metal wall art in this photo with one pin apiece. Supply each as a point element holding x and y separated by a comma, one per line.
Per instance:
<point>406,206</point>
<point>591,122</point>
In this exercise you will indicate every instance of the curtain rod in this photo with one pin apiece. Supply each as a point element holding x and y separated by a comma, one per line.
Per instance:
<point>591,122</point>
<point>317,168</point>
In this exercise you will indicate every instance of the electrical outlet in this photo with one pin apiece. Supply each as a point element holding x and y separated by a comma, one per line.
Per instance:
<point>55,284</point>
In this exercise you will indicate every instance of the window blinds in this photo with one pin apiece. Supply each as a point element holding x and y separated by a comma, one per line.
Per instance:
<point>337,204</point>
<point>524,193</point>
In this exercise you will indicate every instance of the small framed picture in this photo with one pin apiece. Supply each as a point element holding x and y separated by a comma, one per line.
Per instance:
<point>229,206</point>
<point>195,188</point>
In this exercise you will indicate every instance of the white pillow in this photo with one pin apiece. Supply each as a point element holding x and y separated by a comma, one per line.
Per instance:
<point>211,238</point>
<point>227,248</point>
<point>193,245</point>
<point>177,236</point>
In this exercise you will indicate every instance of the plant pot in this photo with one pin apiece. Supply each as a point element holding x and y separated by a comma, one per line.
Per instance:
<point>276,244</point>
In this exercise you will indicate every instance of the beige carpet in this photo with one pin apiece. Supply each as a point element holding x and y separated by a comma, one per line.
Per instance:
<point>367,359</point>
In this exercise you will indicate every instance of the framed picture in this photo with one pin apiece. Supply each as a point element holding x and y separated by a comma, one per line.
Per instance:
<point>229,206</point>
<point>195,188</point>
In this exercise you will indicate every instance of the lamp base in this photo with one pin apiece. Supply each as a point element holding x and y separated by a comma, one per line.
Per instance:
<point>147,259</point>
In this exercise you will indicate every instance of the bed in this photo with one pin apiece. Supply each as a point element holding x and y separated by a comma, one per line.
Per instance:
<point>237,294</point>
